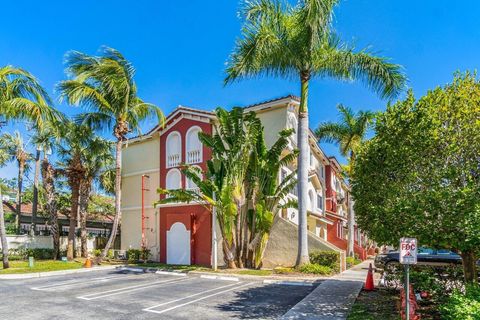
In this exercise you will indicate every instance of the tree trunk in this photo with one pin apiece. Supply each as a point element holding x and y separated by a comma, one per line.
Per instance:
<point>48,176</point>
<point>3,236</point>
<point>302,173</point>
<point>35,193</point>
<point>21,170</point>
<point>83,209</point>
<point>469,261</point>
<point>118,197</point>
<point>228,255</point>
<point>74,186</point>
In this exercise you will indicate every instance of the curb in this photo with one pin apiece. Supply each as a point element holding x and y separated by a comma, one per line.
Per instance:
<point>14,276</point>
<point>269,279</point>
<point>206,276</point>
<point>289,283</point>
<point>152,270</point>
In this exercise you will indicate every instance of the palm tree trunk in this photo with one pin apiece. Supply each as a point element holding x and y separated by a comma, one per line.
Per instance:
<point>21,170</point>
<point>302,172</point>
<point>118,197</point>
<point>74,186</point>
<point>48,176</point>
<point>3,236</point>
<point>35,192</point>
<point>84,196</point>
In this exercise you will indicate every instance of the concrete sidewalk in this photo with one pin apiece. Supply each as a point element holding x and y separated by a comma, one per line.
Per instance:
<point>333,298</point>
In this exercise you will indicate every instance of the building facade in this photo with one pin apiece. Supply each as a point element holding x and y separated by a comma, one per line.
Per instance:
<point>181,233</point>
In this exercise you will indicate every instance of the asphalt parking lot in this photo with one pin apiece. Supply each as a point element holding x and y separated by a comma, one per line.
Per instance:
<point>126,295</point>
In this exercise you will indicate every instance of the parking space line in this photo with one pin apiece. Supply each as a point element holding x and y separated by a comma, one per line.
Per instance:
<point>114,292</point>
<point>199,299</point>
<point>188,297</point>
<point>75,282</point>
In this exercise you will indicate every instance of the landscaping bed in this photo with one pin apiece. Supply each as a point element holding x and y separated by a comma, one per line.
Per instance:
<point>41,266</point>
<point>381,303</point>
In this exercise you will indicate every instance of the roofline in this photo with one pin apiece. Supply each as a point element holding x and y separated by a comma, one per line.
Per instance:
<point>171,115</point>
<point>273,102</point>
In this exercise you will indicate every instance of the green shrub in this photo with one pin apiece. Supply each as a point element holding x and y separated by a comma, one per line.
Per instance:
<point>37,253</point>
<point>97,252</point>
<point>352,261</point>
<point>134,255</point>
<point>462,306</point>
<point>315,269</point>
<point>329,259</point>
<point>283,270</point>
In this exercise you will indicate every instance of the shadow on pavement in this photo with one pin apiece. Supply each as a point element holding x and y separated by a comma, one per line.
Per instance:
<point>264,301</point>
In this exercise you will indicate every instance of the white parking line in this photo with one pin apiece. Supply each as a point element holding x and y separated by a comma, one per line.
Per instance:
<point>188,297</point>
<point>196,300</point>
<point>129,289</point>
<point>75,282</point>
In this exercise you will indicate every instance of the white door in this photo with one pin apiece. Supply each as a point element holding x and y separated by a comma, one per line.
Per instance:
<point>178,244</point>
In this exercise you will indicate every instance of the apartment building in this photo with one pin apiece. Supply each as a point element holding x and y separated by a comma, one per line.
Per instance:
<point>181,233</point>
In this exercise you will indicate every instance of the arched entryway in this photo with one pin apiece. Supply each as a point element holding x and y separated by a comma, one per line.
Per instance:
<point>178,244</point>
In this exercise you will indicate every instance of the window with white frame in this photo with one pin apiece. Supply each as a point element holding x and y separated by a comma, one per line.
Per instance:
<point>320,201</point>
<point>173,179</point>
<point>311,201</point>
<point>174,149</point>
<point>190,184</point>
<point>194,146</point>
<point>339,230</point>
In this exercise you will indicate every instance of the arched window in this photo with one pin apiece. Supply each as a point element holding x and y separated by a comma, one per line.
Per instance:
<point>194,146</point>
<point>190,184</point>
<point>174,149</point>
<point>174,179</point>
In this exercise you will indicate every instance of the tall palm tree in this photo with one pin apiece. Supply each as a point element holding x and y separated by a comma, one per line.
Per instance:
<point>349,133</point>
<point>17,150</point>
<point>297,42</point>
<point>105,85</point>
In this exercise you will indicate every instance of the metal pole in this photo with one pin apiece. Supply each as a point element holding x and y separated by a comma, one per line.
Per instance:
<point>214,236</point>
<point>407,292</point>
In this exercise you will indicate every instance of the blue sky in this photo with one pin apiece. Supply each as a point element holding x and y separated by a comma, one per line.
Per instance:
<point>179,48</point>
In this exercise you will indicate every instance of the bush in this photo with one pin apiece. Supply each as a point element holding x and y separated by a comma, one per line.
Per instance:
<point>134,255</point>
<point>315,269</point>
<point>37,253</point>
<point>352,261</point>
<point>97,252</point>
<point>329,259</point>
<point>462,306</point>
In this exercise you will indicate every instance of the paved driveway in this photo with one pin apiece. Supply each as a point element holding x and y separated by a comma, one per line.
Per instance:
<point>116,295</point>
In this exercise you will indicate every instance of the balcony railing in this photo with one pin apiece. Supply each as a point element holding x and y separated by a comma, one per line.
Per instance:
<point>194,189</point>
<point>173,160</point>
<point>194,156</point>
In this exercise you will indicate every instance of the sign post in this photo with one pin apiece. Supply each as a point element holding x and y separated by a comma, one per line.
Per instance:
<point>408,256</point>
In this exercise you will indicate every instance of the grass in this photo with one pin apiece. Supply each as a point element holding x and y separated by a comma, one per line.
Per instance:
<point>252,272</point>
<point>40,266</point>
<point>373,305</point>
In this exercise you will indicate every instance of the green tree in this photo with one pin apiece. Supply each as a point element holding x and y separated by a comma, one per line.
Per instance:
<point>349,133</point>
<point>297,42</point>
<point>22,97</point>
<point>420,176</point>
<point>3,233</point>
<point>105,85</point>
<point>17,150</point>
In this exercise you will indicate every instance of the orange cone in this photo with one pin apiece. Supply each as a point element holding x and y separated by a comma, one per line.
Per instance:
<point>369,286</point>
<point>88,263</point>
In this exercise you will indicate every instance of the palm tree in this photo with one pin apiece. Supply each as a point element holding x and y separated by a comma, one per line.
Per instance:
<point>3,234</point>
<point>105,85</point>
<point>17,150</point>
<point>96,163</point>
<point>46,139</point>
<point>22,97</point>
<point>297,42</point>
<point>349,133</point>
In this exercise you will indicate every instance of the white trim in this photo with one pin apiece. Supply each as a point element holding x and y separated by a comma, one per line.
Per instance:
<point>275,103</point>
<point>180,204</point>
<point>169,153</point>
<point>140,172</point>
<point>131,208</point>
